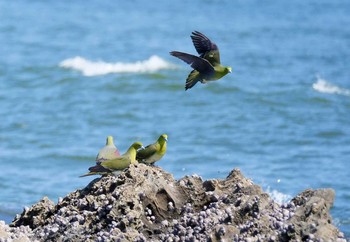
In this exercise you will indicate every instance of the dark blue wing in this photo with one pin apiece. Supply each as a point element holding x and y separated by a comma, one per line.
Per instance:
<point>206,48</point>
<point>197,63</point>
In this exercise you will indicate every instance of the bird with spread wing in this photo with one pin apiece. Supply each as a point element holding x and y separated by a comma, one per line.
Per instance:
<point>207,65</point>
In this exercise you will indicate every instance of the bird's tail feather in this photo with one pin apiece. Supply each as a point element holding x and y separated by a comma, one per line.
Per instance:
<point>192,79</point>
<point>89,174</point>
<point>96,170</point>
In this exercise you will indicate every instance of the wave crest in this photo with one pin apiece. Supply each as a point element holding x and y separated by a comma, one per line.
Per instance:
<point>322,85</point>
<point>95,68</point>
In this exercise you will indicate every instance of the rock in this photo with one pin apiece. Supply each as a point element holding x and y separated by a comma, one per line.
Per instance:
<point>311,218</point>
<point>35,216</point>
<point>18,234</point>
<point>145,203</point>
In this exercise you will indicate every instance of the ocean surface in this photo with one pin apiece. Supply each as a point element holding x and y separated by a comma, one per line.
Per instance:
<point>73,72</point>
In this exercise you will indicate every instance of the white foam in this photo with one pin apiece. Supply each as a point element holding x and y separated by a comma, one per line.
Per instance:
<point>95,68</point>
<point>322,85</point>
<point>277,196</point>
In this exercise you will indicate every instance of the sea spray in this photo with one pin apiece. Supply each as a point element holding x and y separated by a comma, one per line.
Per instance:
<point>324,86</point>
<point>277,196</point>
<point>96,68</point>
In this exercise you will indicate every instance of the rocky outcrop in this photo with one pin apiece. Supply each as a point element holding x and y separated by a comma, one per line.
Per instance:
<point>145,203</point>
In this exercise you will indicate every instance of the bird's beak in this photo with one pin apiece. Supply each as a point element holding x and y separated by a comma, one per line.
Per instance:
<point>230,69</point>
<point>142,148</point>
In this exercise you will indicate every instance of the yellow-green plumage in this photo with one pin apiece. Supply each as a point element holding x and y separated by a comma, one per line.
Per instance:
<point>108,152</point>
<point>153,152</point>
<point>207,65</point>
<point>116,165</point>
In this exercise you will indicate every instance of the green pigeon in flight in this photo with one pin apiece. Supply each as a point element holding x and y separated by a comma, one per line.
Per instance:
<point>108,152</point>
<point>207,65</point>
<point>117,165</point>
<point>153,152</point>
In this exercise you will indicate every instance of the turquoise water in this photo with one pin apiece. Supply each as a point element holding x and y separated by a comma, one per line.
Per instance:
<point>72,73</point>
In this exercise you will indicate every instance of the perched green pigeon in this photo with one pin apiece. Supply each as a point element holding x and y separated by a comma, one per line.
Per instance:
<point>109,152</point>
<point>116,165</point>
<point>153,152</point>
<point>207,65</point>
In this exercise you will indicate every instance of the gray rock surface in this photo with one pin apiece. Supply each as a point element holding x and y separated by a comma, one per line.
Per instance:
<point>145,203</point>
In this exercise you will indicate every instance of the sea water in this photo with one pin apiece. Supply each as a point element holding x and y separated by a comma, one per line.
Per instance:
<point>72,73</point>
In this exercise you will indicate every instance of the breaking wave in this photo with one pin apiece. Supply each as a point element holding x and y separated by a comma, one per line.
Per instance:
<point>322,85</point>
<point>96,68</point>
